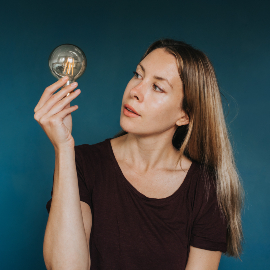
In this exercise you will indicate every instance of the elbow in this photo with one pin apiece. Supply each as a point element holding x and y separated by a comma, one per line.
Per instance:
<point>47,260</point>
<point>58,266</point>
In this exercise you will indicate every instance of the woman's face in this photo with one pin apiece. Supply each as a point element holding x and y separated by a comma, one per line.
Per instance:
<point>155,92</point>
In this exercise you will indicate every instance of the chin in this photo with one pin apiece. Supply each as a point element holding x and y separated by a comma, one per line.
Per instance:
<point>132,129</point>
<point>128,127</point>
<point>144,130</point>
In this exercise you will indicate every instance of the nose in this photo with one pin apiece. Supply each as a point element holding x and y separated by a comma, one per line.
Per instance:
<point>137,92</point>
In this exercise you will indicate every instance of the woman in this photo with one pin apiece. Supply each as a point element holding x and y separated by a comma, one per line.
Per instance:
<point>164,193</point>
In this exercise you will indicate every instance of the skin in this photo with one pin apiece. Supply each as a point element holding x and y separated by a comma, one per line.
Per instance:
<point>148,142</point>
<point>146,154</point>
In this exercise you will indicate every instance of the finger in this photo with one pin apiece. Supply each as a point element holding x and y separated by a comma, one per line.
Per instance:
<point>55,99</point>
<point>64,92</point>
<point>49,91</point>
<point>62,104</point>
<point>67,106</point>
<point>62,114</point>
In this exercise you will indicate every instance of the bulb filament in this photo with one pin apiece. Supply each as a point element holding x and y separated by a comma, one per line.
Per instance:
<point>69,65</point>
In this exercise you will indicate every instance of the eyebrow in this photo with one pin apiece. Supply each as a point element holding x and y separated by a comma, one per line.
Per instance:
<point>157,77</point>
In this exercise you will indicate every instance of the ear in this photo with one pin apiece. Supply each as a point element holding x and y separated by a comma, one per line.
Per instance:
<point>184,120</point>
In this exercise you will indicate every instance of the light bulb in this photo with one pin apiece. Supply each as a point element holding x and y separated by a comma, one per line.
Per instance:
<point>67,60</point>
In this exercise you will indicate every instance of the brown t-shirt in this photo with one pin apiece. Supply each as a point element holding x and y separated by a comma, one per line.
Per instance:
<point>133,232</point>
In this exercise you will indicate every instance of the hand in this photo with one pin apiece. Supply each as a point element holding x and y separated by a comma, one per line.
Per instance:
<point>53,113</point>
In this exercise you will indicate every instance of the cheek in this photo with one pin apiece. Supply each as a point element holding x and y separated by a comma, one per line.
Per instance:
<point>164,110</point>
<point>160,103</point>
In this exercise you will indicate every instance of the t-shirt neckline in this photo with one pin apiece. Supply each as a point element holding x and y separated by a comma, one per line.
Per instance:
<point>138,193</point>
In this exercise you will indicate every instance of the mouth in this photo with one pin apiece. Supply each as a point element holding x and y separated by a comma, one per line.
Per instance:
<point>130,110</point>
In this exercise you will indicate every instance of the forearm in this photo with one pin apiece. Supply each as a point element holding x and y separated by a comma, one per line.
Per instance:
<point>65,245</point>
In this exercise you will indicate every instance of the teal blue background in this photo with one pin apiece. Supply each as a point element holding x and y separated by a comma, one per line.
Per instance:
<point>114,35</point>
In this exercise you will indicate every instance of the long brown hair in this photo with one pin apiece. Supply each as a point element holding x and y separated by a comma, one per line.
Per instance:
<point>205,139</point>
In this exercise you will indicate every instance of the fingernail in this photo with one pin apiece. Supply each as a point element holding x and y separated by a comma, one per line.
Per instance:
<point>74,84</point>
<point>64,78</point>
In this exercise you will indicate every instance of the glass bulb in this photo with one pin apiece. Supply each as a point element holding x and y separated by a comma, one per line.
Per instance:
<point>67,60</point>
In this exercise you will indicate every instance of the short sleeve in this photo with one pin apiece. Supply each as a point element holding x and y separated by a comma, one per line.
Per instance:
<point>209,227</point>
<point>84,190</point>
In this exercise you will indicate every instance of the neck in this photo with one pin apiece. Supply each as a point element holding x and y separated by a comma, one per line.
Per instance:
<point>148,153</point>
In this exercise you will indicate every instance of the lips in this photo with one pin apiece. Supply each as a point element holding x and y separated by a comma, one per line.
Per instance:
<point>130,108</point>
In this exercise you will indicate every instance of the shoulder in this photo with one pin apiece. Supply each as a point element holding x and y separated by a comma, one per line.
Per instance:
<point>91,160</point>
<point>93,156</point>
<point>96,149</point>
<point>203,175</point>
<point>205,191</point>
<point>209,225</point>
<point>202,183</point>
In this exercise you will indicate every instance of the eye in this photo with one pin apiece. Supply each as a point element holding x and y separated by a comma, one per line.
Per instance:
<point>136,74</point>
<point>159,89</point>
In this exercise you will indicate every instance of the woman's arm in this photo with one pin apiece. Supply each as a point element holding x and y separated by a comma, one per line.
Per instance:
<point>201,259</point>
<point>66,240</point>
<point>65,243</point>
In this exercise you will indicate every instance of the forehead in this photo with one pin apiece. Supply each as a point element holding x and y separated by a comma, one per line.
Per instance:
<point>162,63</point>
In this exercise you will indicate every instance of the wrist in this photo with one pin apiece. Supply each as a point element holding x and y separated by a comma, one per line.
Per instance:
<point>64,148</point>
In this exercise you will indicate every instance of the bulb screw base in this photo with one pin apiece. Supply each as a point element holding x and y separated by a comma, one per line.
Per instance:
<point>69,82</point>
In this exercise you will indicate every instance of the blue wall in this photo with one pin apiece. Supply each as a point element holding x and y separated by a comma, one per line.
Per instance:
<point>114,35</point>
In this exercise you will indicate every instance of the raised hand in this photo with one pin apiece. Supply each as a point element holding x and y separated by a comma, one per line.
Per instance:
<point>53,113</point>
